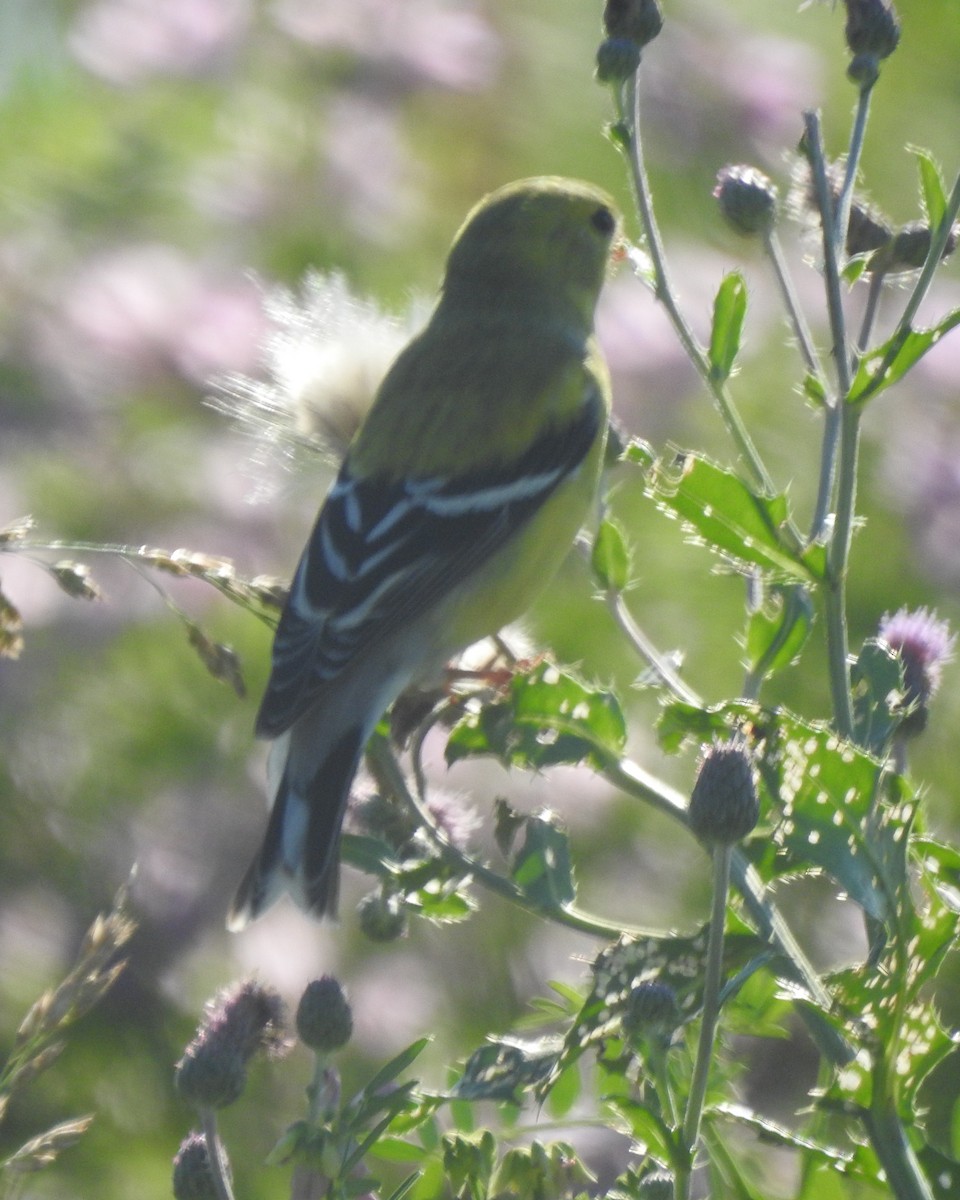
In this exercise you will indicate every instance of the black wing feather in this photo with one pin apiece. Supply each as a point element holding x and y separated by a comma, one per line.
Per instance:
<point>382,551</point>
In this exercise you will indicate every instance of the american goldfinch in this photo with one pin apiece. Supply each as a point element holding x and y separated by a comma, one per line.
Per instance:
<point>458,500</point>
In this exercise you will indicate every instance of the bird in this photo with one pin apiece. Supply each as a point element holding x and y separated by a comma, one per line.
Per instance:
<point>459,497</point>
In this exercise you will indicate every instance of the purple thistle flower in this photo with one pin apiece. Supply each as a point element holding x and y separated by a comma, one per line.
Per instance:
<point>924,644</point>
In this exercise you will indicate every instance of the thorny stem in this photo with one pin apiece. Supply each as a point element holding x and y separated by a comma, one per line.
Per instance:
<point>842,437</point>
<point>798,321</point>
<point>216,1156</point>
<point>323,1091</point>
<point>841,219</point>
<point>811,360</point>
<point>874,293</point>
<point>627,99</point>
<point>646,650</point>
<point>708,1019</point>
<point>889,1141</point>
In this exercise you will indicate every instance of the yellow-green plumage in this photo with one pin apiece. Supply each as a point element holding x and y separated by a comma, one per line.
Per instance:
<point>459,498</point>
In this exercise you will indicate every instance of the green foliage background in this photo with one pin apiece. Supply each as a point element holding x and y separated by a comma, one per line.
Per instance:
<point>141,209</point>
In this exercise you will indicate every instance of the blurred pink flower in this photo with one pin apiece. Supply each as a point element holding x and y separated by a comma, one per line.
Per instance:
<point>426,40</point>
<point>715,86</point>
<point>131,312</point>
<point>769,81</point>
<point>222,329</point>
<point>126,41</point>
<point>369,175</point>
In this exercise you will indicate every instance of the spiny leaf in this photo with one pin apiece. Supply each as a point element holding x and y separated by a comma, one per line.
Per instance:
<point>732,520</point>
<point>547,717</point>
<point>729,311</point>
<point>903,349</point>
<point>932,190</point>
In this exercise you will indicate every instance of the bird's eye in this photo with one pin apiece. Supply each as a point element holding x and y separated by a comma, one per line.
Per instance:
<point>603,220</point>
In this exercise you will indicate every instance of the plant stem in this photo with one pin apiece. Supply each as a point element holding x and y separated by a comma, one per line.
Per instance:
<point>842,437</point>
<point>877,281</point>
<point>828,461</point>
<point>387,770</point>
<point>690,1133</point>
<point>798,321</point>
<point>219,1170</point>
<point>841,220</point>
<point>889,1141</point>
<point>835,598</point>
<point>647,651</point>
<point>628,105</point>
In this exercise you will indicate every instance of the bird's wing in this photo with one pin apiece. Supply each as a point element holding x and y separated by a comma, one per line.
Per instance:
<point>384,551</point>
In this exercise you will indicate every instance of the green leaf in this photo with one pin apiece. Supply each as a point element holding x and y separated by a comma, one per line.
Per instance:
<point>399,1192</point>
<point>770,1132</point>
<point>611,557</point>
<point>647,1127</point>
<point>564,1092</point>
<point>904,349</point>
<point>542,868</point>
<point>681,722</point>
<point>640,454</point>
<point>854,268</point>
<point>814,389</point>
<point>942,1172</point>
<point>876,681</point>
<point>675,961</point>
<point>725,515</point>
<point>826,790</point>
<point>778,630</point>
<point>932,191</point>
<point>547,717</point>
<point>502,1070</point>
<point>395,1149</point>
<point>729,310</point>
<point>469,1162</point>
<point>396,1066</point>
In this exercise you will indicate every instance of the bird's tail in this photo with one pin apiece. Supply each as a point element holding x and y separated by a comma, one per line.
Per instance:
<point>301,849</point>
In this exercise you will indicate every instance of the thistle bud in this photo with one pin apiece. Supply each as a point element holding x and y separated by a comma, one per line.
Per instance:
<point>382,917</point>
<point>241,1021</point>
<point>864,70</point>
<point>617,59</point>
<point>924,644</point>
<point>192,1173</point>
<point>867,230</point>
<point>658,1185</point>
<point>724,806</point>
<point>652,1010</point>
<point>873,28</point>
<point>324,1020</point>
<point>747,198</point>
<point>638,21</point>
<point>908,249</point>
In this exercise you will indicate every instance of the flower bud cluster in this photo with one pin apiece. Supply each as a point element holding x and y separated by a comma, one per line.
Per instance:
<point>629,25</point>
<point>324,1020</point>
<point>724,805</point>
<point>192,1173</point>
<point>747,199</point>
<point>240,1022</point>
